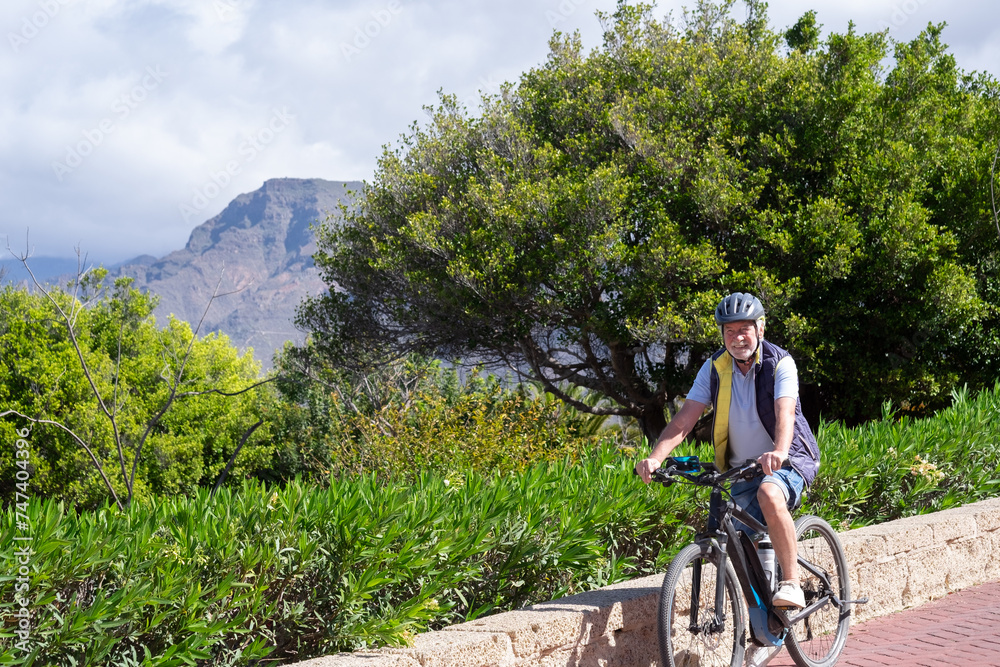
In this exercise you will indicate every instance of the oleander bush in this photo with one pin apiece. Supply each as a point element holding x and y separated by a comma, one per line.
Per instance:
<point>285,574</point>
<point>260,575</point>
<point>899,466</point>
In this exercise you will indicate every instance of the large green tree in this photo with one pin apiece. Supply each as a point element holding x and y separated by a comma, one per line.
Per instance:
<point>583,225</point>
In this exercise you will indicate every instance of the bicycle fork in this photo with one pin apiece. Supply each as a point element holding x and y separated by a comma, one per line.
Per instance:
<point>718,621</point>
<point>765,645</point>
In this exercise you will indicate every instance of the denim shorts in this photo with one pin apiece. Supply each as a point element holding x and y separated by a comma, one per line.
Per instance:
<point>744,493</point>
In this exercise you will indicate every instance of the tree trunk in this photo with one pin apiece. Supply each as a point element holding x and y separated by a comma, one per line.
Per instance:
<point>652,422</point>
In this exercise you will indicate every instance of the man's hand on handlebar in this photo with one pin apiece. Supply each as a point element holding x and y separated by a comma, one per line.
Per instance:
<point>771,461</point>
<point>645,469</point>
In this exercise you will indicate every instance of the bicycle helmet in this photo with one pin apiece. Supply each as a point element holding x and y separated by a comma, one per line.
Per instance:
<point>738,307</point>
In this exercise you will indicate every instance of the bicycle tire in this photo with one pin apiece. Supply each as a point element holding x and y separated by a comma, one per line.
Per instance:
<point>818,639</point>
<point>679,646</point>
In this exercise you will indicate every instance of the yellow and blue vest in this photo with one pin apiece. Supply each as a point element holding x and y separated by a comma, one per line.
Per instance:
<point>804,452</point>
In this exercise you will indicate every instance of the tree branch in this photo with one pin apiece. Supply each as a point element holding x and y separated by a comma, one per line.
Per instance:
<point>187,394</point>
<point>232,459</point>
<point>69,320</point>
<point>175,381</point>
<point>532,353</point>
<point>97,464</point>
<point>79,296</point>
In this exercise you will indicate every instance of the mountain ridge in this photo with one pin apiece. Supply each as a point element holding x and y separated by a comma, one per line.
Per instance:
<point>258,253</point>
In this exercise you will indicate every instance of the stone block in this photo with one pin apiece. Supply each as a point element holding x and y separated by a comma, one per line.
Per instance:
<point>968,560</point>
<point>360,659</point>
<point>927,574</point>
<point>957,527</point>
<point>990,555</point>
<point>639,600</point>
<point>902,535</point>
<point>622,649</point>
<point>882,583</point>
<point>987,514</point>
<point>459,649</point>
<point>533,631</point>
<point>862,546</point>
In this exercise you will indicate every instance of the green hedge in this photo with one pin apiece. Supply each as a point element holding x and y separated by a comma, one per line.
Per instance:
<point>900,466</point>
<point>281,575</point>
<point>301,572</point>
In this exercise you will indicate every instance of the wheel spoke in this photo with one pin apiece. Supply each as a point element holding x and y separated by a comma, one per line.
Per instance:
<point>816,640</point>
<point>690,632</point>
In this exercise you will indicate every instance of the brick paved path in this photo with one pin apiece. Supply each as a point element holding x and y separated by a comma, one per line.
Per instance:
<point>960,630</point>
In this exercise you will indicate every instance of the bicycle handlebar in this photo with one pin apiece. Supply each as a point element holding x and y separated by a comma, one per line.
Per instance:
<point>702,473</point>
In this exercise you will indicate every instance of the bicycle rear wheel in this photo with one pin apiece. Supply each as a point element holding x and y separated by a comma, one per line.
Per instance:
<point>818,639</point>
<point>698,639</point>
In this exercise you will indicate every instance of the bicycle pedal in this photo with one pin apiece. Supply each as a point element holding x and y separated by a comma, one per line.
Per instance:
<point>787,608</point>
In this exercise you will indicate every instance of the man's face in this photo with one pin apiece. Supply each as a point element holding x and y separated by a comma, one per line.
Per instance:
<point>741,339</point>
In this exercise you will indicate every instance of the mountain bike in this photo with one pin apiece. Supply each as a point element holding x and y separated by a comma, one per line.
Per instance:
<point>710,583</point>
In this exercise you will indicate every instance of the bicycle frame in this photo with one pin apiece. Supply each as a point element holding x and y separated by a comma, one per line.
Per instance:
<point>768,626</point>
<point>733,555</point>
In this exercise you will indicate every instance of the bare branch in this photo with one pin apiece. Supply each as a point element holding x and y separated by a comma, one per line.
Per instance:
<point>79,440</point>
<point>188,394</point>
<point>79,297</point>
<point>69,320</point>
<point>174,381</point>
<point>232,459</point>
<point>993,178</point>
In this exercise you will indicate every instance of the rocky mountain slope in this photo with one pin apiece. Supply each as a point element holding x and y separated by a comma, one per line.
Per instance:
<point>261,248</point>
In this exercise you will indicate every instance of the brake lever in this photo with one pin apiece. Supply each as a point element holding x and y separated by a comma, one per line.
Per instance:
<point>751,470</point>
<point>664,475</point>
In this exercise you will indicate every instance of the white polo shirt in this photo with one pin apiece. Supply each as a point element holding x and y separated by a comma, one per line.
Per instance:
<point>748,438</point>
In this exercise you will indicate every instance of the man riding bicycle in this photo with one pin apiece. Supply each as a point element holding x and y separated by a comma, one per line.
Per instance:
<point>753,388</point>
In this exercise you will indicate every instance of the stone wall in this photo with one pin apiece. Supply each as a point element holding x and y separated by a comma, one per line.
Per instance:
<point>898,565</point>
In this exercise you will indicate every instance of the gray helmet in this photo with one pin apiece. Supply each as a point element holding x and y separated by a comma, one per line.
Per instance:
<point>738,307</point>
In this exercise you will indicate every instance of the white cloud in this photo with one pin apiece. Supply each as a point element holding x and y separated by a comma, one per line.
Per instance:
<point>355,75</point>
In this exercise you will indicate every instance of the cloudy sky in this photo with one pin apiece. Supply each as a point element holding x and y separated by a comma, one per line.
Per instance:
<point>126,123</point>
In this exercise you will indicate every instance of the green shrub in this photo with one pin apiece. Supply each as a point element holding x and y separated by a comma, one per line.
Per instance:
<point>297,572</point>
<point>133,365</point>
<point>419,415</point>
<point>899,466</point>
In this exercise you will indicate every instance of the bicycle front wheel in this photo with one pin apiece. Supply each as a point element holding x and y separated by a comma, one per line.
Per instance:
<point>690,633</point>
<point>818,639</point>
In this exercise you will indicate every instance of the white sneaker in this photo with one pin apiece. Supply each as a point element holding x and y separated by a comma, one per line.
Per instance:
<point>789,594</point>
